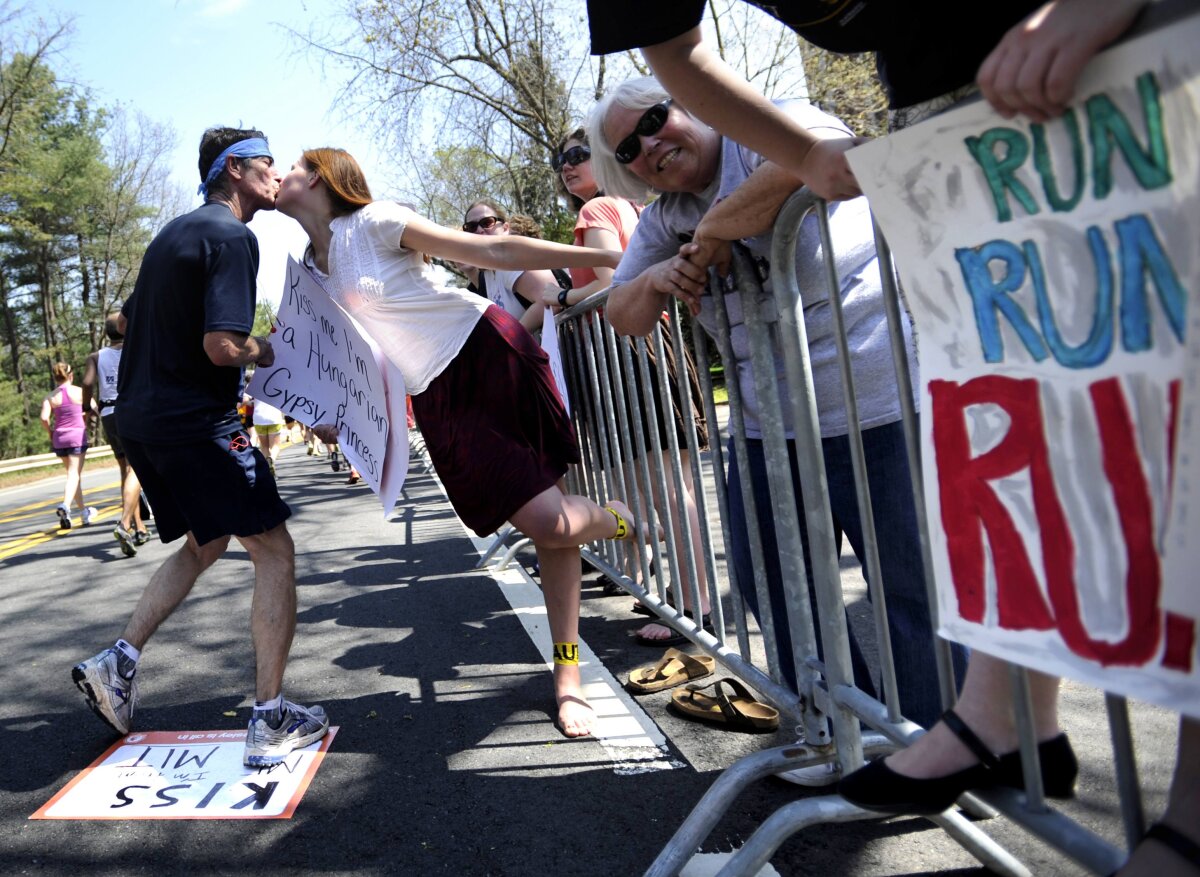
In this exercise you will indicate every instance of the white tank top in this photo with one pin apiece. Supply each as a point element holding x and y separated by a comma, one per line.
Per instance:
<point>107,362</point>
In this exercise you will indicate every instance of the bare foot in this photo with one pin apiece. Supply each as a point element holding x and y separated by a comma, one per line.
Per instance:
<point>576,718</point>
<point>654,631</point>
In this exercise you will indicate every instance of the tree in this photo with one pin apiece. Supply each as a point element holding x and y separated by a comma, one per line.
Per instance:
<point>502,82</point>
<point>133,204</point>
<point>22,53</point>
<point>264,319</point>
<point>846,86</point>
<point>494,73</point>
<point>80,194</point>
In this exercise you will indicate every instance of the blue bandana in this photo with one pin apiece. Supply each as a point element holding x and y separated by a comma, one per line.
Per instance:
<point>255,147</point>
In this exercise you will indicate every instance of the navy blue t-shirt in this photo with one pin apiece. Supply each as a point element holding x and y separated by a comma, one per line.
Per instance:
<point>922,50</point>
<point>198,276</point>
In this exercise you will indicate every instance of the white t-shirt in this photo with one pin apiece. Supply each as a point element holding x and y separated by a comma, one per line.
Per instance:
<point>500,286</point>
<point>418,323</point>
<point>107,363</point>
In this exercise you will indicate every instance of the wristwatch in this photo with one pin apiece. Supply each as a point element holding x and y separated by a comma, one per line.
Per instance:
<point>562,298</point>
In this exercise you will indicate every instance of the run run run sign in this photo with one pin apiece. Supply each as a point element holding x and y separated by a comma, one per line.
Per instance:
<point>1053,274</point>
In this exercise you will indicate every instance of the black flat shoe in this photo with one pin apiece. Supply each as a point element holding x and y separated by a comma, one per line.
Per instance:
<point>878,787</point>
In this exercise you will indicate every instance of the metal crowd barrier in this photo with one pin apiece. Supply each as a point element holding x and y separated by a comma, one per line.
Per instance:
<point>827,710</point>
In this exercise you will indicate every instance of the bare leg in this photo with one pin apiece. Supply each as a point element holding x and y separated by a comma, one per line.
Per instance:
<point>73,490</point>
<point>986,707</point>
<point>558,524</point>
<point>560,588</point>
<point>168,586</point>
<point>131,488</point>
<point>67,491</point>
<point>1152,858</point>
<point>273,609</point>
<point>554,519</point>
<point>678,504</point>
<point>631,552</point>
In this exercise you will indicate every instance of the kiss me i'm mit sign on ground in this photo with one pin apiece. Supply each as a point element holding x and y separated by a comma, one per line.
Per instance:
<point>186,775</point>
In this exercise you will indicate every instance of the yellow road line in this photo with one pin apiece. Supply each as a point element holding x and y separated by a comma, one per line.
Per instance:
<point>23,543</point>
<point>34,509</point>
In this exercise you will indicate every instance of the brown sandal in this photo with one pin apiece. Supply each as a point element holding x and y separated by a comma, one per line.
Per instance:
<point>741,712</point>
<point>674,668</point>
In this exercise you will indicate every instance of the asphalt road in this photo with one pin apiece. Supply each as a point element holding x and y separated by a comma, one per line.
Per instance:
<point>447,761</point>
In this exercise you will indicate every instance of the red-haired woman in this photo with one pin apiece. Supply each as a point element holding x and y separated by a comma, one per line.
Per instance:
<point>500,445</point>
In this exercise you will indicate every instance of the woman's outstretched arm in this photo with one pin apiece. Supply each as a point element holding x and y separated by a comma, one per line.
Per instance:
<point>507,252</point>
<point>698,78</point>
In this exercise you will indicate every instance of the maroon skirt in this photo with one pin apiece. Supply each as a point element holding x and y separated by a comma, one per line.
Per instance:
<point>494,424</point>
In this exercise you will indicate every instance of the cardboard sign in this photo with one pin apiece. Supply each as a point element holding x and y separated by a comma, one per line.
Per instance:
<point>1050,269</point>
<point>550,345</point>
<point>186,775</point>
<point>327,371</point>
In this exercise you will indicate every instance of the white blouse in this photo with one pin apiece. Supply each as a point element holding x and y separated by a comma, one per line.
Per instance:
<point>418,323</point>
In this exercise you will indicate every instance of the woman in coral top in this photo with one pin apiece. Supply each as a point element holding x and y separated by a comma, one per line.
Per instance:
<point>607,223</point>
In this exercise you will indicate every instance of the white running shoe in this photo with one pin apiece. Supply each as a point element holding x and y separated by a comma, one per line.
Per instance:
<point>814,775</point>
<point>301,727</point>
<point>127,540</point>
<point>111,696</point>
<point>64,517</point>
<point>88,513</point>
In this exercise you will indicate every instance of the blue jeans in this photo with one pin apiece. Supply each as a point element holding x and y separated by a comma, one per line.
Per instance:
<point>899,559</point>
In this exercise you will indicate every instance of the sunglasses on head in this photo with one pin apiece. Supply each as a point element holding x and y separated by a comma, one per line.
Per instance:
<point>484,222</point>
<point>650,123</point>
<point>575,156</point>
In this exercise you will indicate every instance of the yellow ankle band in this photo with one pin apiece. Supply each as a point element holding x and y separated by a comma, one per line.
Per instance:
<point>566,654</point>
<point>622,527</point>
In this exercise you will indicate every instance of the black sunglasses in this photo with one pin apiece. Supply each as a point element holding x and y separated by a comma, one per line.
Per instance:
<point>484,222</point>
<point>650,123</point>
<point>575,156</point>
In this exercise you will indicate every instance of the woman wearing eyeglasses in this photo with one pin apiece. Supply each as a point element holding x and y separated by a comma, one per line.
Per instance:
<point>717,191</point>
<point>517,290</point>
<point>609,223</point>
<point>482,391</point>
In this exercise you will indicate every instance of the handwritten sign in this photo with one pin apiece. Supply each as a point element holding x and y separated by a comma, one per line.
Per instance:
<point>186,775</point>
<point>1050,268</point>
<point>327,371</point>
<point>553,351</point>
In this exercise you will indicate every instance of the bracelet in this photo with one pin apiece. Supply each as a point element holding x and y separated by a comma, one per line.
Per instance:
<point>562,298</point>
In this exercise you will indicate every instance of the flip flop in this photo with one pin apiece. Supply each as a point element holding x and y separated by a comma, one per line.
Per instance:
<point>741,712</point>
<point>674,668</point>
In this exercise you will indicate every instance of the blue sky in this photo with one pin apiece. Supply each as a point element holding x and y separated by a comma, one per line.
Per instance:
<point>197,63</point>
<point>193,64</point>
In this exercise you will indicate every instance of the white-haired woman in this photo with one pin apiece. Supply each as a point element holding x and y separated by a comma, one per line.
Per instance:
<point>644,144</point>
